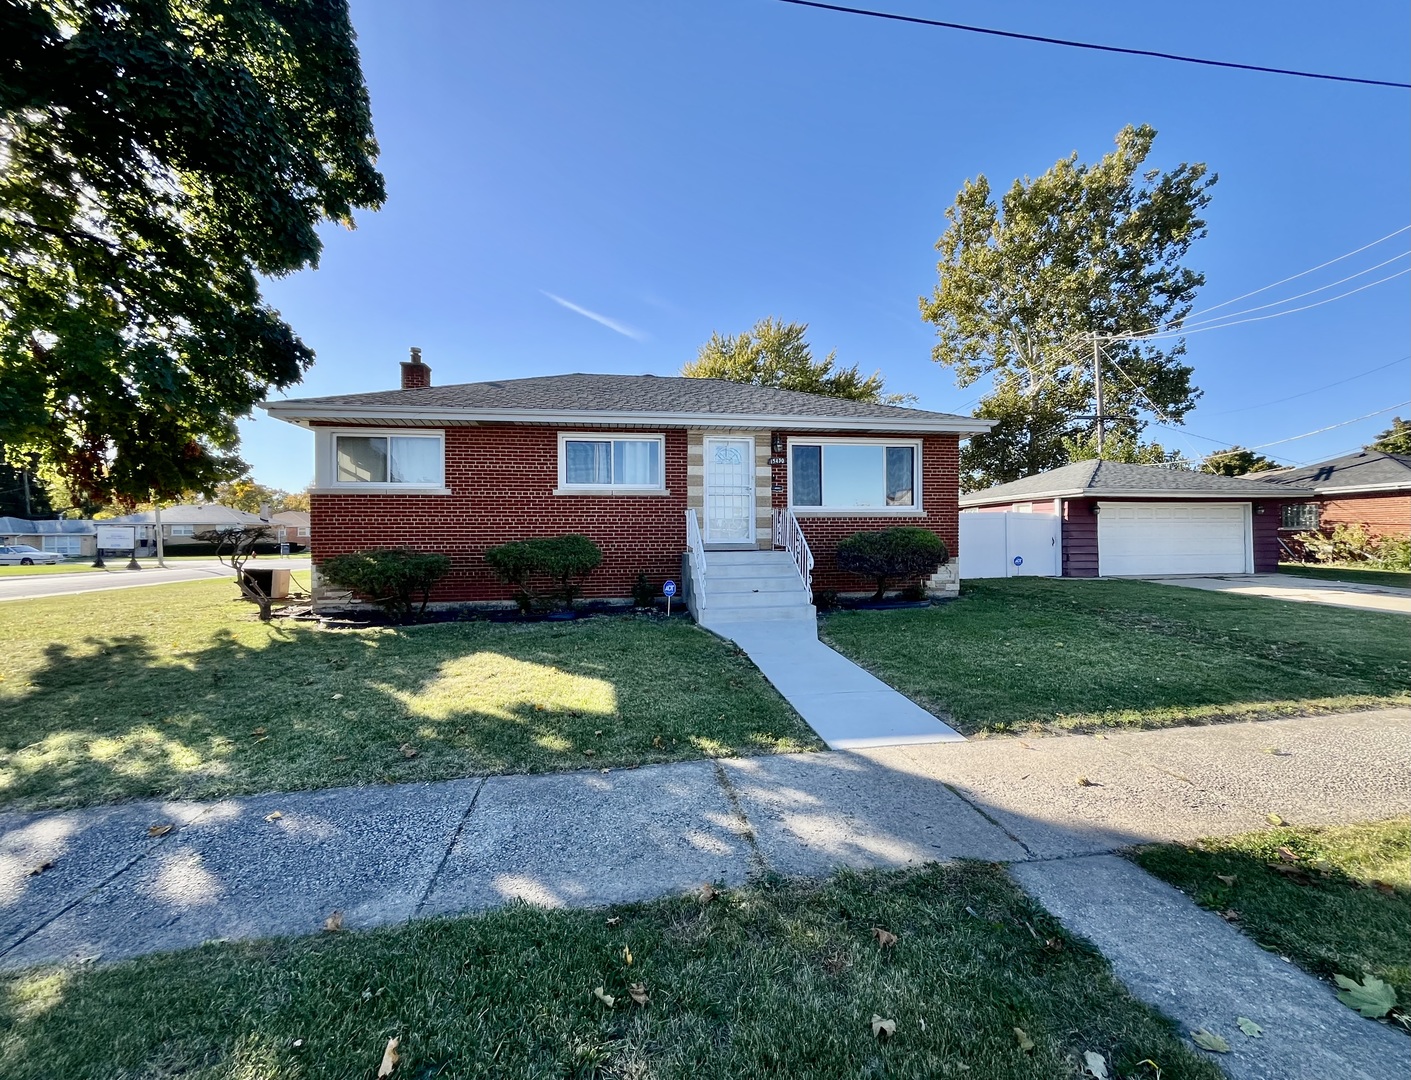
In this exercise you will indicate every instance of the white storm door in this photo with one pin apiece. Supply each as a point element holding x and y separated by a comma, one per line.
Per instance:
<point>729,491</point>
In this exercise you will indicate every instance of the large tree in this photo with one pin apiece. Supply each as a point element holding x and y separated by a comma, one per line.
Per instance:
<point>1237,461</point>
<point>776,353</point>
<point>157,158</point>
<point>1028,281</point>
<point>1395,439</point>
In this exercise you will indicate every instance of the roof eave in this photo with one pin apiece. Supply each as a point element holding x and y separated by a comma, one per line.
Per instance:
<point>981,499</point>
<point>303,414</point>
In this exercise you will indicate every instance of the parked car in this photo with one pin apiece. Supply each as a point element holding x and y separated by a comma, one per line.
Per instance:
<point>24,555</point>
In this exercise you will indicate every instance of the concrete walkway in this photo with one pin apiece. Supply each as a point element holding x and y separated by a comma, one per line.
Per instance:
<point>1302,590</point>
<point>280,864</point>
<point>849,707</point>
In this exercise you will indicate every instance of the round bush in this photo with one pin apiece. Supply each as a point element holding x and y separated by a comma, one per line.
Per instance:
<point>889,555</point>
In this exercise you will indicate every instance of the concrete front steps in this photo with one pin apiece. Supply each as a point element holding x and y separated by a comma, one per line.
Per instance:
<point>751,587</point>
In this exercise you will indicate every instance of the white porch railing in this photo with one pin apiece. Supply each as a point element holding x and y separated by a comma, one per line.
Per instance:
<point>696,545</point>
<point>789,536</point>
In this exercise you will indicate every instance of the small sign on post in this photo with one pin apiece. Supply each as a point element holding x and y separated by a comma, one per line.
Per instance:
<point>669,590</point>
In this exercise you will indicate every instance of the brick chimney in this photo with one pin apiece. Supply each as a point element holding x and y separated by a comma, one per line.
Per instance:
<point>415,374</point>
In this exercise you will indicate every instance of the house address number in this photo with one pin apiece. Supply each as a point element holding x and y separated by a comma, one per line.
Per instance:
<point>778,460</point>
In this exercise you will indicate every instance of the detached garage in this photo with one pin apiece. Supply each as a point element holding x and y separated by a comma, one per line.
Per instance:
<point>1119,520</point>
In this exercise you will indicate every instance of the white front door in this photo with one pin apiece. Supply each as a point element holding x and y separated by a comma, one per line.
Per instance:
<point>1154,539</point>
<point>729,491</point>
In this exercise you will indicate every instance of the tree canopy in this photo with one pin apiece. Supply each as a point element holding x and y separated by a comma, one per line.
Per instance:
<point>1395,439</point>
<point>1025,282</point>
<point>776,353</point>
<point>1236,461</point>
<point>158,157</point>
<point>249,495</point>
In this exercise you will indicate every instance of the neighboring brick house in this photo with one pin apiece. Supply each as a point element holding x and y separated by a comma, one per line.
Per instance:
<point>292,527</point>
<point>1120,520</point>
<point>620,459</point>
<point>1371,489</point>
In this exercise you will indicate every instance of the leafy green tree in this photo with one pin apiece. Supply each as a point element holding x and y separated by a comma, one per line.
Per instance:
<point>776,354</point>
<point>1395,439</point>
<point>157,158</point>
<point>245,494</point>
<point>1120,446</point>
<point>22,493</point>
<point>1026,281</point>
<point>1236,461</point>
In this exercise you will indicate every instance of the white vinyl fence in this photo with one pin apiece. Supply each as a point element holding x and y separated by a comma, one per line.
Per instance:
<point>1010,545</point>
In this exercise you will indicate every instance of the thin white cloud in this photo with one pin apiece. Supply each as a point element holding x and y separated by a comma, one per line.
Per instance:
<point>612,324</point>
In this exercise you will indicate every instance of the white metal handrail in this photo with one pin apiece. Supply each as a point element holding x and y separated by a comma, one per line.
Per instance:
<point>789,536</point>
<point>696,545</point>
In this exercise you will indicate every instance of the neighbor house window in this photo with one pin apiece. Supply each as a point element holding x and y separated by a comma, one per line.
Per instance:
<point>854,475</point>
<point>388,459</point>
<point>303,531</point>
<point>183,530</point>
<point>1300,516</point>
<point>594,462</point>
<point>64,545</point>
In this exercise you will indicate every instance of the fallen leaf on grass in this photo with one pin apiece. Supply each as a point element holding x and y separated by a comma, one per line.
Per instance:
<point>333,923</point>
<point>589,753</point>
<point>1371,997</point>
<point>1155,1067</point>
<point>1288,854</point>
<point>708,893</point>
<point>408,750</point>
<point>274,816</point>
<point>1274,819</point>
<point>883,1029</point>
<point>638,993</point>
<point>1386,888</point>
<point>616,920</point>
<point>47,865</point>
<point>1095,1064</point>
<point>1230,915</point>
<point>259,731</point>
<point>627,955</point>
<point>603,996</point>
<point>337,697</point>
<point>1208,1040</point>
<point>1026,1044</point>
<point>1227,879</point>
<point>1250,1028</point>
<point>389,1058</point>
<point>885,938</point>
<point>159,830</point>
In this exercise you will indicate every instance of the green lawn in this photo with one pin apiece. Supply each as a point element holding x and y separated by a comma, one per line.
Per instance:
<point>1357,575</point>
<point>1032,654</point>
<point>180,691</point>
<point>56,568</point>
<point>1340,906</point>
<point>776,980</point>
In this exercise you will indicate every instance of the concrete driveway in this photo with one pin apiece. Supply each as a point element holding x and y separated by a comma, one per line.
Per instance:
<point>1302,590</point>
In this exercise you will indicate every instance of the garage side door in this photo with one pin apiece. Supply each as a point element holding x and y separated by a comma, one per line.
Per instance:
<point>1138,539</point>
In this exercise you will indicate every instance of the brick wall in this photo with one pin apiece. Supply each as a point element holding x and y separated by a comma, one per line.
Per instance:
<point>502,478</point>
<point>940,494</point>
<point>1380,513</point>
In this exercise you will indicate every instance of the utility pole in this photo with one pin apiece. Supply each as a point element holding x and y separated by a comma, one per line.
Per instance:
<point>157,517</point>
<point>1097,394</point>
<point>28,509</point>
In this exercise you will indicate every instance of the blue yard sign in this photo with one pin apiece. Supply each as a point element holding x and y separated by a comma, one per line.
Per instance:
<point>669,589</point>
<point>1019,560</point>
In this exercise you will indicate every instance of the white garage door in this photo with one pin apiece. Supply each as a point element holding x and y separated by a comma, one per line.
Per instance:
<point>1140,539</point>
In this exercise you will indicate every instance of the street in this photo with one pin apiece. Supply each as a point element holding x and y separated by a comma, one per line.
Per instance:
<point>35,586</point>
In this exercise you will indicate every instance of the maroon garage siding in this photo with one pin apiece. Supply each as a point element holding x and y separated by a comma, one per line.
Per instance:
<point>1080,549</point>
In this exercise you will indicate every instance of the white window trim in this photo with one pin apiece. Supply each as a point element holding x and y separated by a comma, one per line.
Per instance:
<point>181,530</point>
<point>565,488</point>
<point>326,480</point>
<point>915,510</point>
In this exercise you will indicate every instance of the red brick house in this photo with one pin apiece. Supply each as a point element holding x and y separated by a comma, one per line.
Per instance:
<point>622,459</point>
<point>1371,489</point>
<point>1120,520</point>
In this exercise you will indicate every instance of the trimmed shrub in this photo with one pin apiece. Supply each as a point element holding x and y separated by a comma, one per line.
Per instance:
<point>644,593</point>
<point>562,561</point>
<point>890,555</point>
<point>1352,544</point>
<point>391,578</point>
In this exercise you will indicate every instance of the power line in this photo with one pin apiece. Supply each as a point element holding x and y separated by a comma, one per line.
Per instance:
<point>1258,318</point>
<point>1094,47</point>
<point>1316,389</point>
<point>1303,273</point>
<point>1186,324</point>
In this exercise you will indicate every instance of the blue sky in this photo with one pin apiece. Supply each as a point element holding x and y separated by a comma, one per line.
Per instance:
<point>598,187</point>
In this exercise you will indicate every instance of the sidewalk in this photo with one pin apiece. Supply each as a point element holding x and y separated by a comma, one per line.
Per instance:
<point>282,863</point>
<point>1302,590</point>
